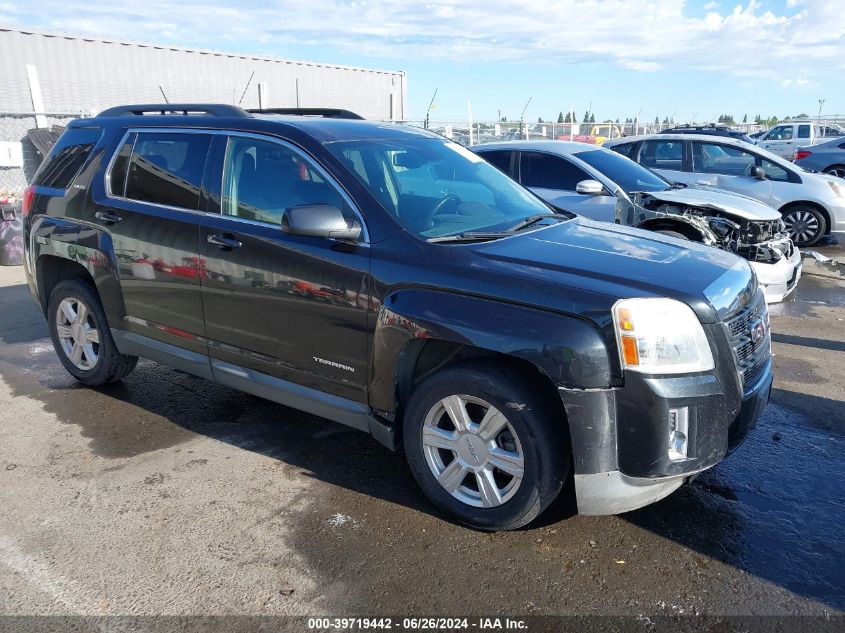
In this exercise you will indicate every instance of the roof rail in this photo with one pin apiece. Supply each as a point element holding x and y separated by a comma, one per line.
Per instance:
<point>327,113</point>
<point>209,109</point>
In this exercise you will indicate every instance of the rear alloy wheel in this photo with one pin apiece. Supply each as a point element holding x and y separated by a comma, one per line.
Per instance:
<point>485,445</point>
<point>82,337</point>
<point>836,170</point>
<point>805,225</point>
<point>77,333</point>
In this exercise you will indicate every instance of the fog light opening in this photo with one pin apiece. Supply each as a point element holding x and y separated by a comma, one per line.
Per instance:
<point>678,433</point>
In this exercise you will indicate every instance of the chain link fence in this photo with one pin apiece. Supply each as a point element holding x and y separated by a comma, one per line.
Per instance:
<point>19,157</point>
<point>478,132</point>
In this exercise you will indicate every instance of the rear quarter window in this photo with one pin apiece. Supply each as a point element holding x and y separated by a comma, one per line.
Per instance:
<point>67,157</point>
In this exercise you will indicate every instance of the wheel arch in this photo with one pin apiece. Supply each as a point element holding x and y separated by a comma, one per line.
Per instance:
<point>687,229</point>
<point>420,331</point>
<point>808,203</point>
<point>65,249</point>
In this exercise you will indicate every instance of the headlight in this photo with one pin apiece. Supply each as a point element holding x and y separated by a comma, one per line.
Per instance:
<point>660,336</point>
<point>838,189</point>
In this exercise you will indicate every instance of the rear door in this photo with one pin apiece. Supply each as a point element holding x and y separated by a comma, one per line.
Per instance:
<point>149,203</point>
<point>287,306</point>
<point>554,179</point>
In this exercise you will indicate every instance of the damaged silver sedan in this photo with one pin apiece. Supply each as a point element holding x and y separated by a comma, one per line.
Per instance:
<point>604,185</point>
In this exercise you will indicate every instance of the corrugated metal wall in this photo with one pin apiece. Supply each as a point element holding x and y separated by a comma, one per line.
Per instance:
<point>86,75</point>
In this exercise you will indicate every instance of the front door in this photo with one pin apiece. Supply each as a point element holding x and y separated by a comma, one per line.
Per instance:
<point>290,307</point>
<point>148,204</point>
<point>730,168</point>
<point>780,141</point>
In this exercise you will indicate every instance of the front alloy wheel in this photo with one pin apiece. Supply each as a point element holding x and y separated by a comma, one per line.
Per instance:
<point>486,443</point>
<point>805,225</point>
<point>77,333</point>
<point>473,451</point>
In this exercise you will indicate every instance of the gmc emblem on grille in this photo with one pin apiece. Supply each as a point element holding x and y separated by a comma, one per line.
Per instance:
<point>758,331</point>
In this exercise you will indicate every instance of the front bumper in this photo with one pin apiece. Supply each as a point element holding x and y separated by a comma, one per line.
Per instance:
<point>779,280</point>
<point>836,211</point>
<point>620,437</point>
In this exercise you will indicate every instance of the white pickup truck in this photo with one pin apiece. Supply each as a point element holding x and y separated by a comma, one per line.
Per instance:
<point>784,138</point>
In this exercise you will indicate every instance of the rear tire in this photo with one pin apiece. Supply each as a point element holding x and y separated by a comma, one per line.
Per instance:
<point>805,224</point>
<point>505,460</point>
<point>835,170</point>
<point>81,335</point>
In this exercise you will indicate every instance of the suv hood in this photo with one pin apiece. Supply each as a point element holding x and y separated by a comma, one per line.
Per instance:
<point>623,262</point>
<point>713,198</point>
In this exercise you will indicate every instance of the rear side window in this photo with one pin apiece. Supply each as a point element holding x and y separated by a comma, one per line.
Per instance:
<point>625,149</point>
<point>803,131</point>
<point>549,172</point>
<point>67,157</point>
<point>500,159</point>
<point>662,155</point>
<point>166,168</point>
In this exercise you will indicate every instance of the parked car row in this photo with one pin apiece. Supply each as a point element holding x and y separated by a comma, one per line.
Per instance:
<point>506,346</point>
<point>812,205</point>
<point>603,185</point>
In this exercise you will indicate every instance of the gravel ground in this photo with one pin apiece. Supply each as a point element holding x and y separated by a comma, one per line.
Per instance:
<point>166,494</point>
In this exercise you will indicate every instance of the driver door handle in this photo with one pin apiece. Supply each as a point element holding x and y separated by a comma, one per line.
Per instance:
<point>224,242</point>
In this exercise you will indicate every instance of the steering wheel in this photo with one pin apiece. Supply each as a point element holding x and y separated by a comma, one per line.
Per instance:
<point>440,208</point>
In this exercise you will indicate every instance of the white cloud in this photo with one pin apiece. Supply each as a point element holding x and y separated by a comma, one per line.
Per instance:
<point>713,5</point>
<point>642,35</point>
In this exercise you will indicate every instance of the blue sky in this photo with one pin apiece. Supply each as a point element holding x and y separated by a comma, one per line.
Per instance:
<point>687,58</point>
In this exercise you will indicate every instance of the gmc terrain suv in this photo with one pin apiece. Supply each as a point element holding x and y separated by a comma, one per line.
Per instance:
<point>388,279</point>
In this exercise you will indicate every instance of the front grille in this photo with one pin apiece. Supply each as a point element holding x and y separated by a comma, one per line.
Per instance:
<point>751,356</point>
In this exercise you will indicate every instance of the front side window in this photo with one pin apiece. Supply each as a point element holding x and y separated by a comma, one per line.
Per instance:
<point>166,168</point>
<point>774,172</point>
<point>434,188</point>
<point>624,172</point>
<point>549,172</point>
<point>713,158</point>
<point>780,133</point>
<point>262,178</point>
<point>662,155</point>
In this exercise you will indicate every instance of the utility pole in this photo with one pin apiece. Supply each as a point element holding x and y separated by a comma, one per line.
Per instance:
<point>428,112</point>
<point>522,119</point>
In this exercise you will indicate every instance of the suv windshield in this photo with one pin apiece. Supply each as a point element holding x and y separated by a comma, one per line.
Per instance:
<point>623,171</point>
<point>435,188</point>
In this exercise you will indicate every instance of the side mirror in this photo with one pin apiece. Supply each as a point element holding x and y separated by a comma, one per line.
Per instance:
<point>589,188</point>
<point>758,172</point>
<point>319,220</point>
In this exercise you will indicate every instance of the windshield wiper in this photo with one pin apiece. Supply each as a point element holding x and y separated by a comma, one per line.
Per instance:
<point>472,236</point>
<point>533,219</point>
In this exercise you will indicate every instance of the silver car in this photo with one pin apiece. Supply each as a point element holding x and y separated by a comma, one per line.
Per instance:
<point>812,205</point>
<point>602,185</point>
<point>827,158</point>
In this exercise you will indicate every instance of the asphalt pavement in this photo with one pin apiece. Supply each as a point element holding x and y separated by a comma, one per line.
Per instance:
<point>167,494</point>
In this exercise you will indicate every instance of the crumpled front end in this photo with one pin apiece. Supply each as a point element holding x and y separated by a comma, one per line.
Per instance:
<point>764,243</point>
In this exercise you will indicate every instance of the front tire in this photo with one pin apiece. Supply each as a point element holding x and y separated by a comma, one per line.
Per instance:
<point>805,224</point>
<point>81,335</point>
<point>485,445</point>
